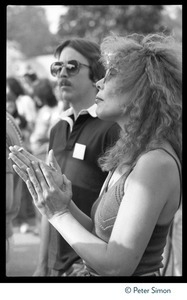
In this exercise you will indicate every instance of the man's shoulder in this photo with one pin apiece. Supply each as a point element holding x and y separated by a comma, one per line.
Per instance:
<point>107,131</point>
<point>94,125</point>
<point>59,124</point>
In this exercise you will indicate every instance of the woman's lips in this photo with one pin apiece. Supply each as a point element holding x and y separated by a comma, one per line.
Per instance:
<point>97,100</point>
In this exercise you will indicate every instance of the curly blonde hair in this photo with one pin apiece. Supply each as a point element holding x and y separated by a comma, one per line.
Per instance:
<point>150,71</point>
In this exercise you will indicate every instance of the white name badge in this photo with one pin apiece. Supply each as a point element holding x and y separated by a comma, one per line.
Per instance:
<point>79,151</point>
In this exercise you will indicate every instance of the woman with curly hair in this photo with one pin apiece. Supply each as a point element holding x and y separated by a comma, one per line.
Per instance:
<point>129,223</point>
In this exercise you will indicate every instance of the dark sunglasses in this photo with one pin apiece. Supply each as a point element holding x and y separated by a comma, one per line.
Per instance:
<point>110,73</point>
<point>72,67</point>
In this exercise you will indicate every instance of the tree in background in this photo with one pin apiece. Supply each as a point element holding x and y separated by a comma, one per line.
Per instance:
<point>174,22</point>
<point>28,26</point>
<point>14,58</point>
<point>96,21</point>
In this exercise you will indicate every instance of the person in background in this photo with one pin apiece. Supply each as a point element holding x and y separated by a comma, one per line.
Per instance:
<point>13,184</point>
<point>127,231</point>
<point>22,108</point>
<point>47,116</point>
<point>25,104</point>
<point>77,141</point>
<point>29,79</point>
<point>11,107</point>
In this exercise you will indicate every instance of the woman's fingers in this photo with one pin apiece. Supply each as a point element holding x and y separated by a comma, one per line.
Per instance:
<point>36,183</point>
<point>24,176</point>
<point>40,176</point>
<point>67,185</point>
<point>22,157</point>
<point>67,182</point>
<point>18,162</point>
<point>25,154</point>
<point>52,161</point>
<point>21,173</point>
<point>32,191</point>
<point>47,174</point>
<point>22,168</point>
<point>23,160</point>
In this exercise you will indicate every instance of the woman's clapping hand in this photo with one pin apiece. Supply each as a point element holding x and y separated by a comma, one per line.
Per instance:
<point>47,196</point>
<point>23,160</point>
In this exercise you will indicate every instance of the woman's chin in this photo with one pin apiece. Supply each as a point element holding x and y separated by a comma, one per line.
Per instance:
<point>102,115</point>
<point>98,112</point>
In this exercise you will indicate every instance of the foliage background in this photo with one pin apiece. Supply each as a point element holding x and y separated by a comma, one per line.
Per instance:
<point>29,35</point>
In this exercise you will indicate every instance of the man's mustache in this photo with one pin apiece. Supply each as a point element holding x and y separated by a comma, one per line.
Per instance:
<point>64,82</point>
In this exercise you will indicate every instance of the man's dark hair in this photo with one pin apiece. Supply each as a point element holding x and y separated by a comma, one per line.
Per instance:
<point>90,50</point>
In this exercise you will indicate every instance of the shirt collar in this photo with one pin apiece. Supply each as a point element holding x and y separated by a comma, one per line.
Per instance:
<point>69,112</point>
<point>91,110</point>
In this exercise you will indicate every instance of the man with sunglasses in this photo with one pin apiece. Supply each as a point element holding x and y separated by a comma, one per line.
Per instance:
<point>77,140</point>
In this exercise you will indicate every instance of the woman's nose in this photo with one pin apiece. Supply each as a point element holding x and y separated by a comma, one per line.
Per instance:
<point>99,84</point>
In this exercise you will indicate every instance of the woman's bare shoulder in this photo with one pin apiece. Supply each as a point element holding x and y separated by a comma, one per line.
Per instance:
<point>155,165</point>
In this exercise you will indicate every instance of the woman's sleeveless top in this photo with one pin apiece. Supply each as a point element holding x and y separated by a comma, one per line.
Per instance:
<point>104,213</point>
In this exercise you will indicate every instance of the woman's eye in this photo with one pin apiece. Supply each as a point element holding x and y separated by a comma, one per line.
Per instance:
<point>112,72</point>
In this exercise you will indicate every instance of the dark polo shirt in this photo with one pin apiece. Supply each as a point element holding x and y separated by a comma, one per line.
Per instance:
<point>77,152</point>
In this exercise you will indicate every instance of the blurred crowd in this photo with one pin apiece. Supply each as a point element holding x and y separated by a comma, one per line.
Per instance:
<point>36,105</point>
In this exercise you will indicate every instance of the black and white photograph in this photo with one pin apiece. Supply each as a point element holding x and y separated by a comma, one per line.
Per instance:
<point>94,149</point>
